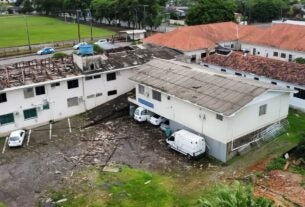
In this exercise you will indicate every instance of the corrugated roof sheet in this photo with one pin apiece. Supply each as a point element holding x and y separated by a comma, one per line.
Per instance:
<point>219,93</point>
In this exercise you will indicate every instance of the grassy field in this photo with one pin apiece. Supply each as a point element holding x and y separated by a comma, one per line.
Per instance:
<point>42,30</point>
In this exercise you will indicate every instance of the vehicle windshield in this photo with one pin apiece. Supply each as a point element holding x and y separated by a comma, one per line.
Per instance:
<point>137,112</point>
<point>13,138</point>
<point>156,116</point>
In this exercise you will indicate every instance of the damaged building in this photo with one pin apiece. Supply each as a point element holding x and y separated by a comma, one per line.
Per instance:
<point>36,92</point>
<point>230,112</point>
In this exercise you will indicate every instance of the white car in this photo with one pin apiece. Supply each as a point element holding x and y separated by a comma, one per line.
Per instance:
<point>76,47</point>
<point>101,41</point>
<point>157,120</point>
<point>16,138</point>
<point>141,115</point>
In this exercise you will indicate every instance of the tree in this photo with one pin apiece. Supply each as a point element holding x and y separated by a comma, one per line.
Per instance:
<point>211,11</point>
<point>26,7</point>
<point>266,10</point>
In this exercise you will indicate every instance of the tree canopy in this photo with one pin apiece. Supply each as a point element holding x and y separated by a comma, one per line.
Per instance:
<point>210,11</point>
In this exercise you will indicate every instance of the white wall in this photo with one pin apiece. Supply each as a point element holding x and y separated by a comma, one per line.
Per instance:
<point>57,98</point>
<point>266,51</point>
<point>204,121</point>
<point>294,101</point>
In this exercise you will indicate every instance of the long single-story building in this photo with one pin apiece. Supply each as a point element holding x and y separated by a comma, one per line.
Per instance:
<point>285,74</point>
<point>228,111</point>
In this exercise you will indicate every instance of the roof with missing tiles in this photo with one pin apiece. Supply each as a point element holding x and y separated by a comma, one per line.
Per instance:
<point>261,66</point>
<point>219,93</point>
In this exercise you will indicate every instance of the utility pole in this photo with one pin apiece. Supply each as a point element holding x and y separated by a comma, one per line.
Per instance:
<point>27,32</point>
<point>78,28</point>
<point>91,31</point>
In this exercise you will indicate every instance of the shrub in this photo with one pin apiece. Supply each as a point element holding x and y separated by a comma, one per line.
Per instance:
<point>235,195</point>
<point>276,164</point>
<point>299,152</point>
<point>300,60</point>
<point>97,49</point>
<point>59,55</point>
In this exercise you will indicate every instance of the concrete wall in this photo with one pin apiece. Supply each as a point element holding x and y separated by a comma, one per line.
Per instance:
<point>90,93</point>
<point>294,101</point>
<point>266,51</point>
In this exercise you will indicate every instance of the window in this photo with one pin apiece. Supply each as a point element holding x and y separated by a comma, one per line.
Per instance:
<point>283,55</point>
<point>53,85</point>
<point>258,53</point>
<point>290,58</point>
<point>111,76</point>
<point>111,93</point>
<point>99,94</point>
<point>263,109</point>
<point>238,74</point>
<point>205,65</point>
<point>3,97</point>
<point>28,92</point>
<point>90,96</point>
<point>219,117</point>
<point>223,70</point>
<point>254,51</point>
<point>7,119</point>
<point>172,138</point>
<point>256,78</point>
<point>232,46</point>
<point>46,106</point>
<point>30,113</point>
<point>274,83</point>
<point>300,94</point>
<point>287,86</point>
<point>156,95</point>
<point>40,90</point>
<point>72,84</point>
<point>88,78</point>
<point>72,101</point>
<point>275,54</point>
<point>97,76</point>
<point>141,89</point>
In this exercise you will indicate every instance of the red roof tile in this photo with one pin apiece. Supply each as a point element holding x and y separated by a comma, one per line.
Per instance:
<point>261,66</point>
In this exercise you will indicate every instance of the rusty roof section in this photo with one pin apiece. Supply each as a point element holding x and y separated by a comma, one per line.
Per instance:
<point>261,66</point>
<point>219,93</point>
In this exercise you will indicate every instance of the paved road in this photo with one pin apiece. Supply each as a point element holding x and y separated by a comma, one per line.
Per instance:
<point>16,59</point>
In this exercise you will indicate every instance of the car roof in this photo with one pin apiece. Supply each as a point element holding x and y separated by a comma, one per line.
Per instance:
<point>16,133</point>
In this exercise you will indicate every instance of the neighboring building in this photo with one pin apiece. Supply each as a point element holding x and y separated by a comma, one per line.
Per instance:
<point>36,92</point>
<point>284,21</point>
<point>132,34</point>
<point>228,111</point>
<point>281,73</point>
<point>279,41</point>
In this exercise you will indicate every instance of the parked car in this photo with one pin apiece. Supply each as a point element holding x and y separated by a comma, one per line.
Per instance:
<point>187,143</point>
<point>16,138</point>
<point>76,47</point>
<point>46,50</point>
<point>141,114</point>
<point>100,41</point>
<point>164,126</point>
<point>157,120</point>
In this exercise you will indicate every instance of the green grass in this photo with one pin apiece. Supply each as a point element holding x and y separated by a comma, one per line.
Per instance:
<point>42,30</point>
<point>2,205</point>
<point>128,188</point>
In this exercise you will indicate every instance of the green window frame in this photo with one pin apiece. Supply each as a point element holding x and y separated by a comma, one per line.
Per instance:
<point>30,113</point>
<point>7,119</point>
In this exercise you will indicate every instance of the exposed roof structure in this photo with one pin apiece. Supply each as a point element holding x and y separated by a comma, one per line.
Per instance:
<point>190,38</point>
<point>261,66</point>
<point>219,93</point>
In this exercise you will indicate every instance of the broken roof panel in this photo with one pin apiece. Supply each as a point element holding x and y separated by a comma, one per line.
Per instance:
<point>219,93</point>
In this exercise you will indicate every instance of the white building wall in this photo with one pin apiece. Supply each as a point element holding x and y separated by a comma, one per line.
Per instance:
<point>266,51</point>
<point>57,99</point>
<point>294,101</point>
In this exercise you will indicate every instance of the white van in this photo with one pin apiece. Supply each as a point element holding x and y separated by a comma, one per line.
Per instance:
<point>187,143</point>
<point>141,114</point>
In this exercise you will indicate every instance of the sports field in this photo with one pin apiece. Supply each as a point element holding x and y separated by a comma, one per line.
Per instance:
<point>42,30</point>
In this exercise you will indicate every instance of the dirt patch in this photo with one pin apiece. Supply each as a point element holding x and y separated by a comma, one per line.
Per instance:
<point>284,188</point>
<point>260,166</point>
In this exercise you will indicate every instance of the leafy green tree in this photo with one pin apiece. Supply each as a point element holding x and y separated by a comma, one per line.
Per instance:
<point>300,60</point>
<point>48,6</point>
<point>27,7</point>
<point>211,11</point>
<point>266,10</point>
<point>236,195</point>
